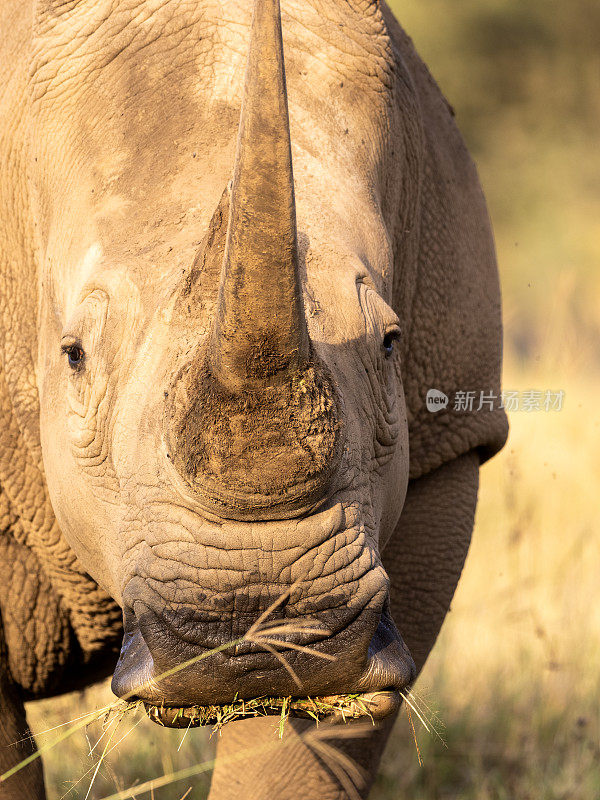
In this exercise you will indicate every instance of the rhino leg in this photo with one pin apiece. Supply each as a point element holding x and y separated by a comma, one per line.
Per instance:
<point>425,555</point>
<point>16,742</point>
<point>254,765</point>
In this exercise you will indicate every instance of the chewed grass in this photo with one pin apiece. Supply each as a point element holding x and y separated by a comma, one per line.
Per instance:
<point>346,706</point>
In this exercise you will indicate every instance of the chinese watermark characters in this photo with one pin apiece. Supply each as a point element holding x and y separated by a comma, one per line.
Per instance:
<point>468,401</point>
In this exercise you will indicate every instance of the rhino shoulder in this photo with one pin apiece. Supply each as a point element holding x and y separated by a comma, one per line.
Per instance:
<point>451,305</point>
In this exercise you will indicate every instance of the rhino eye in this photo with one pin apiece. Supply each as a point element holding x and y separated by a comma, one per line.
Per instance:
<point>389,340</point>
<point>75,356</point>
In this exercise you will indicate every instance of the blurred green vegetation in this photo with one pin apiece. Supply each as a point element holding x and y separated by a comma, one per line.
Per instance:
<point>524,80</point>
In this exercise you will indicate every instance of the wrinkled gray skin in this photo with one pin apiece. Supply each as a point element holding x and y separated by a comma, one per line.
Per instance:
<point>247,419</point>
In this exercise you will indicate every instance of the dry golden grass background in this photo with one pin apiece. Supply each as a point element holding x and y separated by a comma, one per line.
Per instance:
<point>515,676</point>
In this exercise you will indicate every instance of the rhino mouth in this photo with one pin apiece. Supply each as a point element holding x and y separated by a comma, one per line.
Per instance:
<point>376,692</point>
<point>372,705</point>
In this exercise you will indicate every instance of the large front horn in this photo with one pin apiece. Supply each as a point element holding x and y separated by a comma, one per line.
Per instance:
<point>260,336</point>
<point>254,417</point>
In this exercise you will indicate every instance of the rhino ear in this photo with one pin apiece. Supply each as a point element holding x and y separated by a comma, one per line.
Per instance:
<point>259,333</point>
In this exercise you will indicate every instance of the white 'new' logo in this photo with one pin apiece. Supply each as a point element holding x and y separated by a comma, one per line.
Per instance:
<point>436,400</point>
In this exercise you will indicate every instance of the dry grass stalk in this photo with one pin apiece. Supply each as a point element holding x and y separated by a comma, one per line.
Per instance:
<point>350,775</point>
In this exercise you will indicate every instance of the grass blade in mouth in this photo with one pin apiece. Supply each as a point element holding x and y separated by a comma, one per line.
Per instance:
<point>346,706</point>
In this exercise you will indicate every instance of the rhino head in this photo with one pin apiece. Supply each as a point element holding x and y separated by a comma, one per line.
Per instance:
<point>225,437</point>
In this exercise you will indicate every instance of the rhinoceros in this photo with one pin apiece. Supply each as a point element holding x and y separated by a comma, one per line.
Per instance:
<point>228,284</point>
